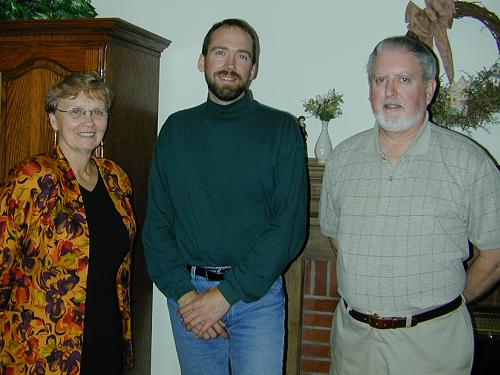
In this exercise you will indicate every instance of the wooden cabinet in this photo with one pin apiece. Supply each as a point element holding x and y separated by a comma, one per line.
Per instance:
<point>35,55</point>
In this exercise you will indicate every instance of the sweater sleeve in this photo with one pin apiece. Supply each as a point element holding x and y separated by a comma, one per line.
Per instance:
<point>283,237</point>
<point>163,259</point>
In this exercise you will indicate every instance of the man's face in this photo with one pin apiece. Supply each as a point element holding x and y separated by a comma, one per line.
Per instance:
<point>398,94</point>
<point>228,64</point>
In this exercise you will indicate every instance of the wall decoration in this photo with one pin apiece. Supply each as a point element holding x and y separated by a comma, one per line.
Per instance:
<point>471,102</point>
<point>430,24</point>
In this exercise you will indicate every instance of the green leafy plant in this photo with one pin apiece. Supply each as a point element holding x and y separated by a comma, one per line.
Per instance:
<point>481,102</point>
<point>45,9</point>
<point>325,107</point>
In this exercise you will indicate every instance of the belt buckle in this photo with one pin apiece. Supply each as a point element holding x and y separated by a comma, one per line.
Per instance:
<point>374,320</point>
<point>380,322</point>
<point>206,273</point>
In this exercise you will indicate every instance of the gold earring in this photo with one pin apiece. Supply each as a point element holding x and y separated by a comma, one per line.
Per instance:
<point>54,144</point>
<point>99,152</point>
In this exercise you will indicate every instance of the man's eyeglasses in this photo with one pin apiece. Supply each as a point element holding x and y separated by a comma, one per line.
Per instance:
<point>76,113</point>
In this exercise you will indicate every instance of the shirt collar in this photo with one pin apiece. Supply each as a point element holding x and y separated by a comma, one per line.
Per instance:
<point>230,111</point>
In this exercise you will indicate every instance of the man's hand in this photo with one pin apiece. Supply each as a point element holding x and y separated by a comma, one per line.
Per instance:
<point>186,298</point>
<point>203,313</point>
<point>218,328</point>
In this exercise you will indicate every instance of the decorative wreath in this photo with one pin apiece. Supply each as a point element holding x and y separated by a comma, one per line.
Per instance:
<point>467,104</point>
<point>470,106</point>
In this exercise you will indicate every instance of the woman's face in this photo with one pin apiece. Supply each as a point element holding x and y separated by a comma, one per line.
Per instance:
<point>81,123</point>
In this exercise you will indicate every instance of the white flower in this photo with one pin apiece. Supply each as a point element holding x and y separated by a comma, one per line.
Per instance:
<point>325,107</point>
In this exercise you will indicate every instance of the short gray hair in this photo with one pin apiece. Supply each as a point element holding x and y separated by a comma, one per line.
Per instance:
<point>90,83</point>
<point>424,55</point>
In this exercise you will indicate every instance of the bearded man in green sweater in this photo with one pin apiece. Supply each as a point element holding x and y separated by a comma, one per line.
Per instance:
<point>227,212</point>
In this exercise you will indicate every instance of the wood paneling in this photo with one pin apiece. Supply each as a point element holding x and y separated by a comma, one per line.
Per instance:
<point>317,247</point>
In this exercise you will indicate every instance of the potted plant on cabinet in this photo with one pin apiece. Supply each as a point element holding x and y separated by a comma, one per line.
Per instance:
<point>45,9</point>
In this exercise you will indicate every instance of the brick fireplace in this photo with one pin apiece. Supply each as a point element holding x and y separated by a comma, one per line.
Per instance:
<point>312,294</point>
<point>319,301</point>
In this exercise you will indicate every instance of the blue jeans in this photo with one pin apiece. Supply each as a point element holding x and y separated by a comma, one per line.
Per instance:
<point>256,337</point>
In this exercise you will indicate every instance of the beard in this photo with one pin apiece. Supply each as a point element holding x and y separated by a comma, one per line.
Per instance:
<point>226,92</point>
<point>400,124</point>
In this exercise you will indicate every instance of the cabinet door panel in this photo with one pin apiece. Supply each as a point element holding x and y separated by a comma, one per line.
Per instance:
<point>74,58</point>
<point>25,126</point>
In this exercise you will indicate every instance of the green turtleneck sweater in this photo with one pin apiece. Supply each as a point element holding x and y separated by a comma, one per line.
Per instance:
<point>227,187</point>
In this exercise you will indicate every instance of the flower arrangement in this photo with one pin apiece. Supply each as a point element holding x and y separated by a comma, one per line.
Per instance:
<point>325,107</point>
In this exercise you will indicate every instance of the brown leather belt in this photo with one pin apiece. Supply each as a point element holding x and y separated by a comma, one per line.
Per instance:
<point>380,322</point>
<point>214,274</point>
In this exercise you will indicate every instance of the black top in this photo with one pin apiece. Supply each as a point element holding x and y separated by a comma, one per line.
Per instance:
<point>102,335</point>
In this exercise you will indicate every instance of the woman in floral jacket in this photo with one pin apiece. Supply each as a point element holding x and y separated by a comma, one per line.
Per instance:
<point>66,234</point>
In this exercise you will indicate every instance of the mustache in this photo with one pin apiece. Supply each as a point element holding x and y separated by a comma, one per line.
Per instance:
<point>231,73</point>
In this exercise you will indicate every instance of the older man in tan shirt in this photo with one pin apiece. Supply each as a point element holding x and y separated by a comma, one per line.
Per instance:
<point>400,202</point>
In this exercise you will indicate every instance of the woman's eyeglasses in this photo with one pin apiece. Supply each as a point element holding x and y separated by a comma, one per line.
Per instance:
<point>76,113</point>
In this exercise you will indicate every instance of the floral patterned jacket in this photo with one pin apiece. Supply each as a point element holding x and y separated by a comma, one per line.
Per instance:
<point>44,253</point>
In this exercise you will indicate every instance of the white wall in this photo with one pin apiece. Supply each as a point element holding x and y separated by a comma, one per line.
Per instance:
<point>307,47</point>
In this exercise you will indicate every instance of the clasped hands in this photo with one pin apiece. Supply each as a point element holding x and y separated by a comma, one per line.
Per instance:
<point>201,313</point>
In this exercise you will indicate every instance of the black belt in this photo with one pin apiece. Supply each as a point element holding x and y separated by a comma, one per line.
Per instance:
<point>380,322</point>
<point>210,273</point>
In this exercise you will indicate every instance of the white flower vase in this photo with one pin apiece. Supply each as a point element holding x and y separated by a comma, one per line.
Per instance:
<point>323,144</point>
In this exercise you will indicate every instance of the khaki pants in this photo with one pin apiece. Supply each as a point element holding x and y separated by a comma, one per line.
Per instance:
<point>441,346</point>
